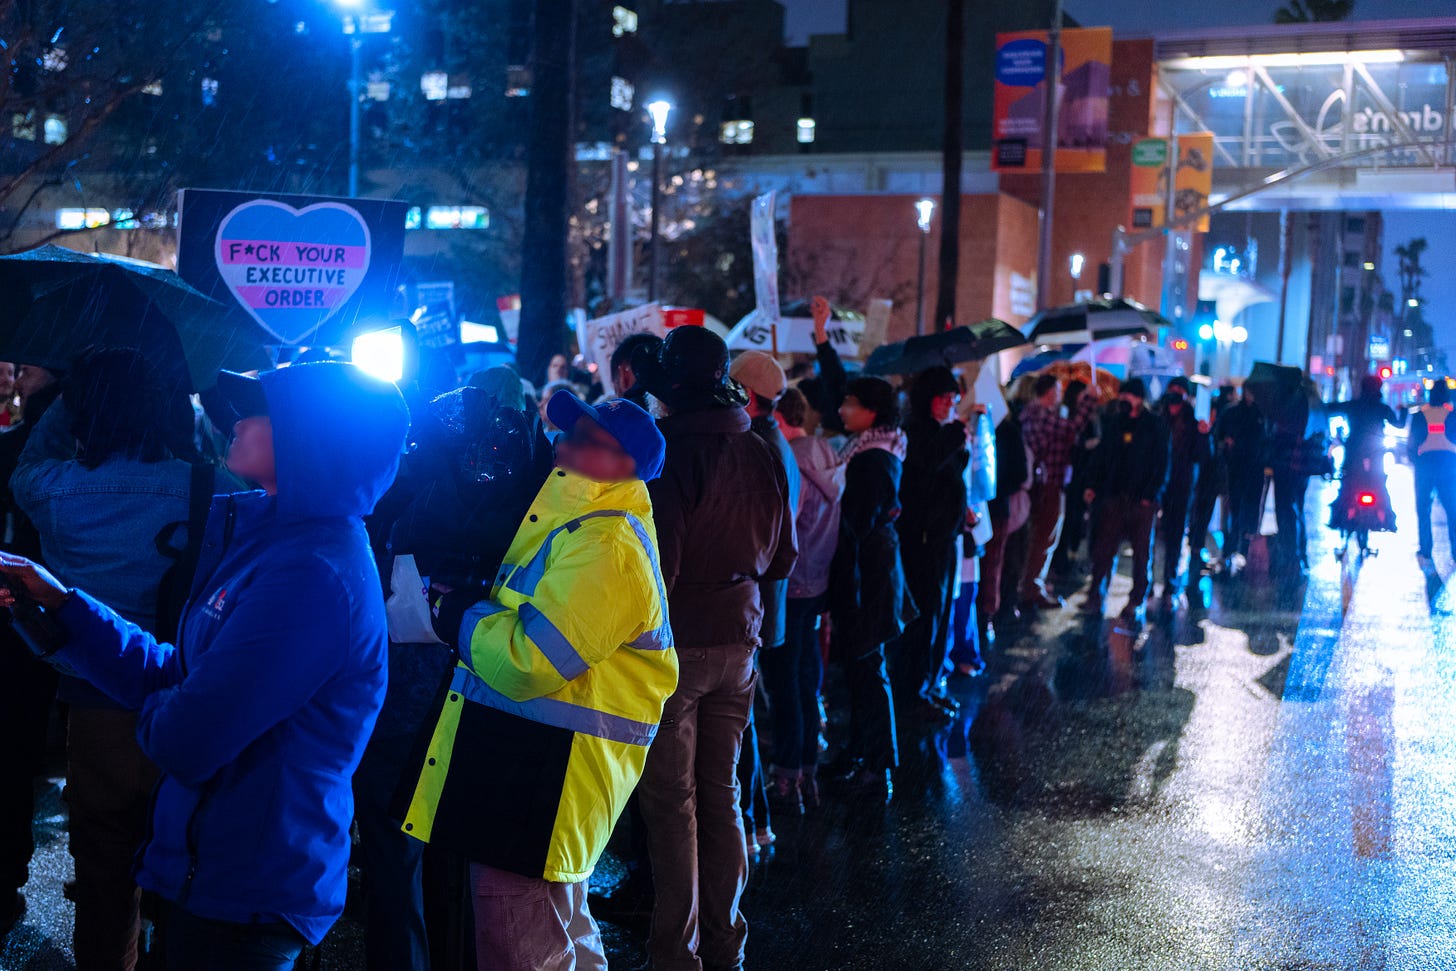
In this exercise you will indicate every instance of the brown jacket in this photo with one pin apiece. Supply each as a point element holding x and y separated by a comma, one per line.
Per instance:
<point>724,523</point>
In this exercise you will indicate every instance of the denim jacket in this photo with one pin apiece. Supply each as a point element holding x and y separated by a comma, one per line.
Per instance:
<point>98,527</point>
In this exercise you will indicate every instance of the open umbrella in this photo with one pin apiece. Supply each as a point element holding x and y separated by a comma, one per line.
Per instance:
<point>1035,362</point>
<point>1083,323</point>
<point>975,342</point>
<point>58,302</point>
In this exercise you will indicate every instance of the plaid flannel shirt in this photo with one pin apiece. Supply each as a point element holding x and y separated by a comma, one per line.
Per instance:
<point>1052,437</point>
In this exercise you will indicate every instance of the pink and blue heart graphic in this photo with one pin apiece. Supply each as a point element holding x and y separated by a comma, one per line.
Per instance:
<point>292,269</point>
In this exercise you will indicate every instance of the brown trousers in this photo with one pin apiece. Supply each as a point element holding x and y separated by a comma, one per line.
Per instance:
<point>689,799</point>
<point>1047,501</point>
<point>108,790</point>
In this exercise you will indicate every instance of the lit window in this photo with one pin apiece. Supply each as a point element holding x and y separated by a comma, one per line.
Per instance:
<point>55,60</point>
<point>458,92</point>
<point>209,92</point>
<point>435,85</point>
<point>622,94</point>
<point>412,217</point>
<point>154,89</point>
<point>301,28</point>
<point>22,125</point>
<point>123,219</point>
<point>381,22</point>
<point>82,218</point>
<point>55,130</point>
<point>457,217</point>
<point>624,21</point>
<point>806,131</point>
<point>377,90</point>
<point>736,133</point>
<point>518,81</point>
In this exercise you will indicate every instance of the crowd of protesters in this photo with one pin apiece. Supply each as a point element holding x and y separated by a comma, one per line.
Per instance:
<point>467,640</point>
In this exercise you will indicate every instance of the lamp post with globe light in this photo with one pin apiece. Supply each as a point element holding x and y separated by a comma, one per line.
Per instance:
<point>357,23</point>
<point>924,211</point>
<point>658,110</point>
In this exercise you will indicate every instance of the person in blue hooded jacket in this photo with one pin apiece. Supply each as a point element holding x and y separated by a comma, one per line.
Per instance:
<point>258,716</point>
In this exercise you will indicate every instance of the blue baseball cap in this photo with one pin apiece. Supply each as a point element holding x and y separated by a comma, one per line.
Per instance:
<point>629,424</point>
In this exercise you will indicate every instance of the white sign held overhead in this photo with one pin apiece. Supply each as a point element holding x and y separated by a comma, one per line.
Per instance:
<point>796,335</point>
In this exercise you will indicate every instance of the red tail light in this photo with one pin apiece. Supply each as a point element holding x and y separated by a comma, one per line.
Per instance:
<point>1367,498</point>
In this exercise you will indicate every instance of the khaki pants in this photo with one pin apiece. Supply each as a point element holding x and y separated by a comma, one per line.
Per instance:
<point>108,790</point>
<point>530,924</point>
<point>1046,529</point>
<point>689,798</point>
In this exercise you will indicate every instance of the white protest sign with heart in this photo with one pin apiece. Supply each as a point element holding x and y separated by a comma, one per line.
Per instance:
<point>292,269</point>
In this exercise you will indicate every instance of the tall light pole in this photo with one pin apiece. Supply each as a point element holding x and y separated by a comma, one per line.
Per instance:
<point>924,210</point>
<point>357,23</point>
<point>1049,127</point>
<point>659,111</point>
<point>353,30</point>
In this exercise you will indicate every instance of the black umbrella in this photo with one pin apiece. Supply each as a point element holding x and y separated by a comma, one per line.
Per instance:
<point>57,302</point>
<point>956,346</point>
<point>1094,320</point>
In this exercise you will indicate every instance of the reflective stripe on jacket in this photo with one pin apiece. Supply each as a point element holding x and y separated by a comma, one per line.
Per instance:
<point>563,675</point>
<point>1437,439</point>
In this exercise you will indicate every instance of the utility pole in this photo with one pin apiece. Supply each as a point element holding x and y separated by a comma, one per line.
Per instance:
<point>544,281</point>
<point>951,152</point>
<point>1052,80</point>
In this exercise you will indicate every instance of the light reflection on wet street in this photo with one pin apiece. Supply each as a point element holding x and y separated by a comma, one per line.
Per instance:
<point>1271,784</point>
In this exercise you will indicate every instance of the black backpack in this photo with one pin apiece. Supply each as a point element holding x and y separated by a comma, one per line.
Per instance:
<point>176,585</point>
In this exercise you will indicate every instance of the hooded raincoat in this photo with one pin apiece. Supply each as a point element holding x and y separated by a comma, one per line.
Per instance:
<point>258,716</point>
<point>564,671</point>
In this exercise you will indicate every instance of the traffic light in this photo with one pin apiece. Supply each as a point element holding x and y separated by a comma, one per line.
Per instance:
<point>1385,372</point>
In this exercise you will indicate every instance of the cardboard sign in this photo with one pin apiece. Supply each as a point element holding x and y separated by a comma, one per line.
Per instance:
<point>307,269</point>
<point>1082,85</point>
<point>600,337</point>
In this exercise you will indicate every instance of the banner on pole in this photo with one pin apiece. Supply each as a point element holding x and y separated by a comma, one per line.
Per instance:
<point>1020,99</point>
<point>309,269</point>
<point>765,261</point>
<point>598,338</point>
<point>1192,183</point>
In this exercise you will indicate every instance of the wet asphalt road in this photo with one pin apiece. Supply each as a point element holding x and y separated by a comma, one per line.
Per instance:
<point>1270,784</point>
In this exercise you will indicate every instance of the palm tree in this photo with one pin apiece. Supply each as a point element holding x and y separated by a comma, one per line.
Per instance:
<point>1311,11</point>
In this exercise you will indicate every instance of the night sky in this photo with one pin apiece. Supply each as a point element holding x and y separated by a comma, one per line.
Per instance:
<point>1141,17</point>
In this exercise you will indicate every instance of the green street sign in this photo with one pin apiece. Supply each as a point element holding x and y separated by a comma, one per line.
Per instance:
<point>1150,153</point>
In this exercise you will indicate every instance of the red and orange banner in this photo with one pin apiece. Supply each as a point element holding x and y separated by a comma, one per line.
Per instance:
<point>1082,90</point>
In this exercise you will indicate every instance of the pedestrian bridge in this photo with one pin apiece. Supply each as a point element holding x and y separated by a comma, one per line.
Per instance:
<point>1363,111</point>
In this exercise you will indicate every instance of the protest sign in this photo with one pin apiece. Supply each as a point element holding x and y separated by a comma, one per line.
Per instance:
<point>765,263</point>
<point>600,337</point>
<point>796,335</point>
<point>308,269</point>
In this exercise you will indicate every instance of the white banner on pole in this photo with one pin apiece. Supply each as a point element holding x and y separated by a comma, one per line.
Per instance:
<point>765,263</point>
<point>600,337</point>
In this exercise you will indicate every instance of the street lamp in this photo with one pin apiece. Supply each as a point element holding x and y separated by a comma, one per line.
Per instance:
<point>924,210</point>
<point>356,24</point>
<point>658,110</point>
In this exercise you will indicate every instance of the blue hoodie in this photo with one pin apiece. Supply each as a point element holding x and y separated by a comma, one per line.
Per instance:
<point>257,718</point>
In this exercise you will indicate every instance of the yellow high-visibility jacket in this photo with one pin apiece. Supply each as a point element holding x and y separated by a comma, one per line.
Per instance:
<point>564,671</point>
